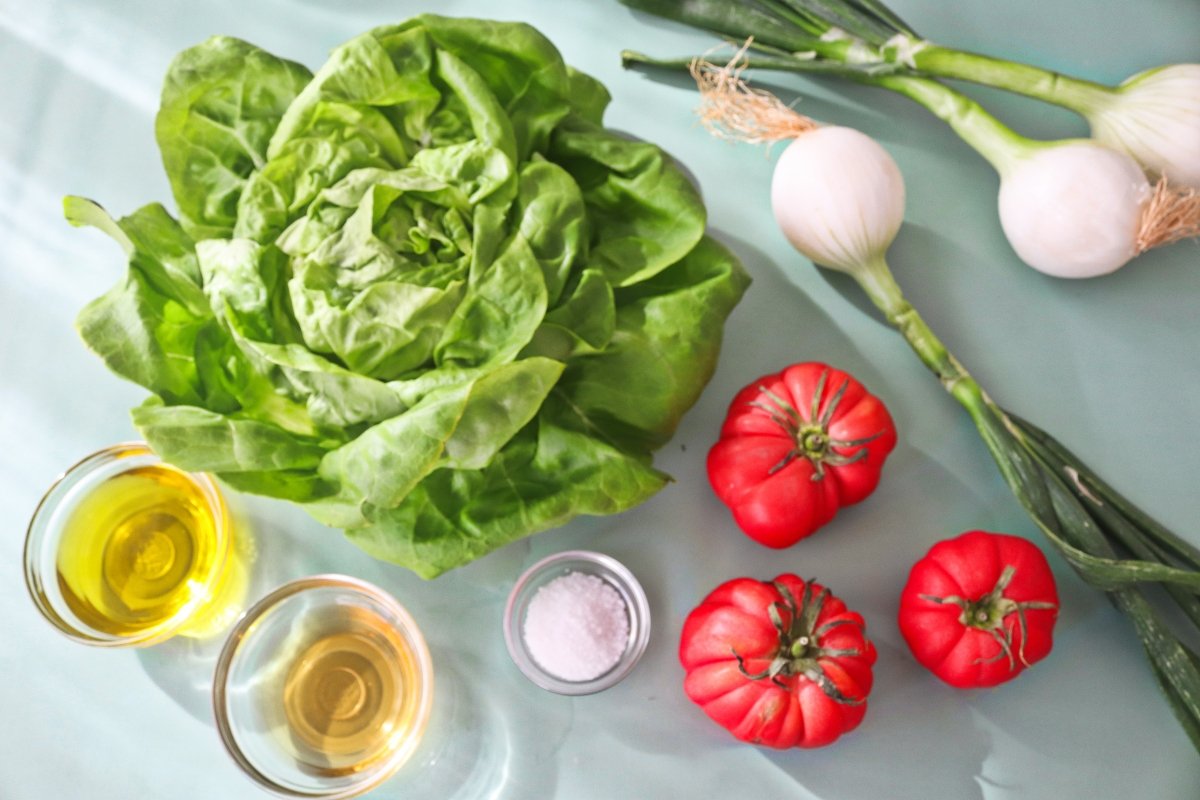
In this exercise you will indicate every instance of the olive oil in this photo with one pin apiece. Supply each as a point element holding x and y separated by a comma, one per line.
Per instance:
<point>352,695</point>
<point>141,548</point>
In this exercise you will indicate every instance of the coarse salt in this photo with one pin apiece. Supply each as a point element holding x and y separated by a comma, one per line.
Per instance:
<point>576,627</point>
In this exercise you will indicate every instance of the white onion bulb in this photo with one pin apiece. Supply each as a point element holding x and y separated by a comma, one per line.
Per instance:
<point>1155,118</point>
<point>1074,210</point>
<point>838,197</point>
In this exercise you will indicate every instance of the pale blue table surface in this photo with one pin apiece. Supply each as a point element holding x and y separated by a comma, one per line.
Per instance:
<point>1110,366</point>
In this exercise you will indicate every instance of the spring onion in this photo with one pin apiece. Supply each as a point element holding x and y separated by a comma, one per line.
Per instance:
<point>1073,208</point>
<point>1154,116</point>
<point>839,198</point>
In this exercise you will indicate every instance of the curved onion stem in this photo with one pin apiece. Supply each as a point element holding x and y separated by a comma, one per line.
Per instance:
<point>1089,524</point>
<point>869,34</point>
<point>999,144</point>
<point>1081,96</point>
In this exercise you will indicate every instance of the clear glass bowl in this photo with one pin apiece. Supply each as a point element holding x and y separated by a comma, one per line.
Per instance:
<point>612,572</point>
<point>324,688</point>
<point>76,573</point>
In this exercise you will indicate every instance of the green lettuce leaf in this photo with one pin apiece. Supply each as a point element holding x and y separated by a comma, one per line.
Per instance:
<point>652,370</point>
<point>422,292</point>
<point>540,481</point>
<point>221,102</point>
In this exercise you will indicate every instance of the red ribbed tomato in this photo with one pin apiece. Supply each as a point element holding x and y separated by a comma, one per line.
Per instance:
<point>796,446</point>
<point>781,663</point>
<point>980,608</point>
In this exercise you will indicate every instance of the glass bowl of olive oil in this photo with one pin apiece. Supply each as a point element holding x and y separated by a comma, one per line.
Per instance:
<point>324,688</point>
<point>126,550</point>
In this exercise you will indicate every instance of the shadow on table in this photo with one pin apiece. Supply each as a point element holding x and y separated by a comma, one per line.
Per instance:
<point>923,738</point>
<point>182,667</point>
<point>488,736</point>
<point>475,745</point>
<point>476,748</point>
<point>785,325</point>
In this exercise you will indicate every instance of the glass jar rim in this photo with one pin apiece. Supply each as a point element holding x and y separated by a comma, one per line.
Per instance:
<point>405,624</point>
<point>38,535</point>
<point>636,605</point>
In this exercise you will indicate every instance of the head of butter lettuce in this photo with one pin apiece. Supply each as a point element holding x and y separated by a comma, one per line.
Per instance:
<point>422,293</point>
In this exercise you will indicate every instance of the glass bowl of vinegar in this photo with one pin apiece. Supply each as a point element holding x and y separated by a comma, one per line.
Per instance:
<point>126,550</point>
<point>324,688</point>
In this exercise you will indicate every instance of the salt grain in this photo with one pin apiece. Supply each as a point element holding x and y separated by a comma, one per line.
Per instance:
<point>576,627</point>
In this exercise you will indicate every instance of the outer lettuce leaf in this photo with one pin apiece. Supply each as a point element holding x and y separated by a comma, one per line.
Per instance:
<point>221,102</point>
<point>645,213</point>
<point>423,292</point>
<point>636,390</point>
<point>521,68</point>
<point>204,441</point>
<point>460,424</point>
<point>145,329</point>
<point>540,481</point>
<point>588,96</point>
<point>135,311</point>
<point>299,486</point>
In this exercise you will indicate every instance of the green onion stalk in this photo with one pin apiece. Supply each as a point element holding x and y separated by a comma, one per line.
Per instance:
<point>839,199</point>
<point>1153,116</point>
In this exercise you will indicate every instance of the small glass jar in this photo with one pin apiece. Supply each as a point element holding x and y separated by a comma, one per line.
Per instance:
<point>126,550</point>
<point>324,688</point>
<point>607,569</point>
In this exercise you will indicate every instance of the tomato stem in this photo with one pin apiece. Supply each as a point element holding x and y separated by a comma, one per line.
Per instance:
<point>989,612</point>
<point>811,436</point>
<point>799,653</point>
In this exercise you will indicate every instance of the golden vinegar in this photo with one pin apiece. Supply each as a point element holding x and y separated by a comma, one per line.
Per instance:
<point>351,695</point>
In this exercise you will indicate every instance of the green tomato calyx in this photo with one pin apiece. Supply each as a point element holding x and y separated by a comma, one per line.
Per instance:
<point>811,436</point>
<point>989,613</point>
<point>800,653</point>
